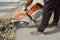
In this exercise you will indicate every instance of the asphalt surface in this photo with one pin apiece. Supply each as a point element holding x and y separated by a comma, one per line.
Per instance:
<point>24,33</point>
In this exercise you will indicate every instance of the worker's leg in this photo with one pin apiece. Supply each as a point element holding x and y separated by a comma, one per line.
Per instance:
<point>50,5</point>
<point>56,15</point>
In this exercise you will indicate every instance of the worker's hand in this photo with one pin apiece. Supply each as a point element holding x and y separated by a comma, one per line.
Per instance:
<point>24,8</point>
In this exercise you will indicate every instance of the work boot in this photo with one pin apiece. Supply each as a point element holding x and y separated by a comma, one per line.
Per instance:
<point>52,25</point>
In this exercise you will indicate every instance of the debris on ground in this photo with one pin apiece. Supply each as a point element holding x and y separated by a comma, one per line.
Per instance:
<point>7,29</point>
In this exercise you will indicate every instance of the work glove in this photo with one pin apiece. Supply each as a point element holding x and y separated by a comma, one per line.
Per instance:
<point>24,8</point>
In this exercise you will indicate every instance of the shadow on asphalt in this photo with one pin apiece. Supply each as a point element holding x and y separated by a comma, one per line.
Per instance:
<point>56,30</point>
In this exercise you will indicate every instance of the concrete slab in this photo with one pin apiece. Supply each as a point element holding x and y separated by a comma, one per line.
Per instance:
<point>51,34</point>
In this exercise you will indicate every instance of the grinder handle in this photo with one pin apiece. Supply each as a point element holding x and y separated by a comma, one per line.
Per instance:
<point>27,11</point>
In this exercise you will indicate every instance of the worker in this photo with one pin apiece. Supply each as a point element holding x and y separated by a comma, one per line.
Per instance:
<point>49,7</point>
